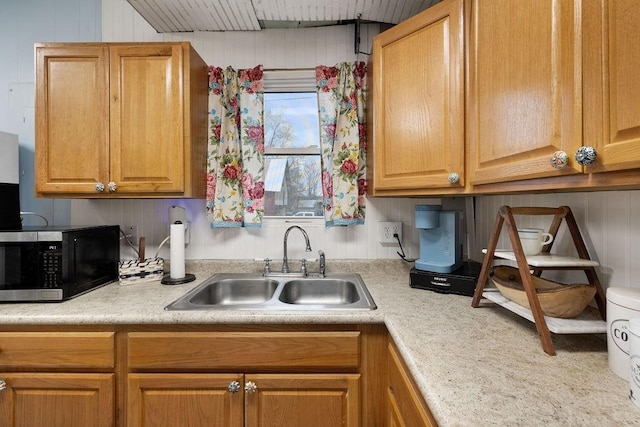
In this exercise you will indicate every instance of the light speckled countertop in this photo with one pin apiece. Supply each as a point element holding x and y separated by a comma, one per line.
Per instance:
<point>475,367</point>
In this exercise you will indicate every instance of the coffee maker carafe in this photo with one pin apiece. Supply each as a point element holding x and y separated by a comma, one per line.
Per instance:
<point>440,239</point>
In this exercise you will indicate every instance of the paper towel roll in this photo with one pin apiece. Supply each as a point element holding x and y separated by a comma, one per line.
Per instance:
<point>176,253</point>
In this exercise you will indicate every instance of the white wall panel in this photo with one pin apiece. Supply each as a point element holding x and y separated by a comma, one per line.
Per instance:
<point>276,48</point>
<point>608,221</point>
<point>23,23</point>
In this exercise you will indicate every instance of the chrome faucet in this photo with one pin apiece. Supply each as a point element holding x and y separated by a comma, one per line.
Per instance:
<point>285,260</point>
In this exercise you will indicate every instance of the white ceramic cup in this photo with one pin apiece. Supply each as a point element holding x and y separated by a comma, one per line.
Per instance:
<point>533,239</point>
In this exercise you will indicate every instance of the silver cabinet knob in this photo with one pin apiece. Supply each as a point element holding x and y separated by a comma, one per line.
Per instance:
<point>586,155</point>
<point>453,178</point>
<point>559,160</point>
<point>3,385</point>
<point>99,187</point>
<point>250,387</point>
<point>234,387</point>
<point>112,186</point>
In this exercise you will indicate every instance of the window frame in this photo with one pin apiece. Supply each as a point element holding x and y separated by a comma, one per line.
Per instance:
<point>301,80</point>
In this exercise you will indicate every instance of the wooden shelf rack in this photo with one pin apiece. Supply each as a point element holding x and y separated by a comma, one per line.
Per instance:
<point>535,265</point>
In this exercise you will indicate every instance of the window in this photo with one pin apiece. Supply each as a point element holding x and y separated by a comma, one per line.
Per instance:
<point>292,145</point>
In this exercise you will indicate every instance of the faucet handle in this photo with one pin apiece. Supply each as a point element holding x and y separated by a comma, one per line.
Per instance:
<point>267,266</point>
<point>303,267</point>
<point>323,263</point>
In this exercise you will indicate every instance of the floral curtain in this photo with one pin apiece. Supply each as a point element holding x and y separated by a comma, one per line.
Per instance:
<point>235,164</point>
<point>343,143</point>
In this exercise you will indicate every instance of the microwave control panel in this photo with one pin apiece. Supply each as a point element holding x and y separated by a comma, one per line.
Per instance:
<point>51,264</point>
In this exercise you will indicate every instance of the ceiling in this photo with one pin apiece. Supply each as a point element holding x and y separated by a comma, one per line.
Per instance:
<point>252,15</point>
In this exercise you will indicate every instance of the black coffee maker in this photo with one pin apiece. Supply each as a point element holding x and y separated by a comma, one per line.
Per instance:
<point>9,188</point>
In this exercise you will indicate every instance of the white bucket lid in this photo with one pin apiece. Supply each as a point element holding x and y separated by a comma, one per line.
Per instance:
<point>634,326</point>
<point>625,297</point>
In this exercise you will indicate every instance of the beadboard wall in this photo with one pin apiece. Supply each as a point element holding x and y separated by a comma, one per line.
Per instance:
<point>23,23</point>
<point>608,221</point>
<point>274,49</point>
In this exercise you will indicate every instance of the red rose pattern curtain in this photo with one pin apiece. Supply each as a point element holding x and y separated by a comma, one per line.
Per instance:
<point>343,143</point>
<point>235,158</point>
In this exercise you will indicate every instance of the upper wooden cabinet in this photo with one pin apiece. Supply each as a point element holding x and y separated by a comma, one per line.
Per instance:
<point>524,88</point>
<point>611,88</point>
<point>417,104</point>
<point>120,120</point>
<point>542,76</point>
<point>585,94</point>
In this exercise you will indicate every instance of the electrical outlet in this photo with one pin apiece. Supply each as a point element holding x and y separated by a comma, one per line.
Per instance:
<point>131,233</point>
<point>387,230</point>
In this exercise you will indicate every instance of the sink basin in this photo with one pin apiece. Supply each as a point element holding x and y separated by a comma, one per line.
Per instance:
<point>240,291</point>
<point>235,291</point>
<point>319,291</point>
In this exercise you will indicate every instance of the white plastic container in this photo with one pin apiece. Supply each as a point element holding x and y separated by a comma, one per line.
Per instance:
<point>634,356</point>
<point>622,304</point>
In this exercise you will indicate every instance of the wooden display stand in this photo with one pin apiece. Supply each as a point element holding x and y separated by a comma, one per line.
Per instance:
<point>544,261</point>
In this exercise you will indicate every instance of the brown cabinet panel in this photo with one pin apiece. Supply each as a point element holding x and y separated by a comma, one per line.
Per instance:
<point>611,91</point>
<point>310,400</point>
<point>235,350</point>
<point>57,400</point>
<point>418,102</point>
<point>184,400</point>
<point>524,88</point>
<point>72,118</point>
<point>147,150</point>
<point>404,403</point>
<point>57,350</point>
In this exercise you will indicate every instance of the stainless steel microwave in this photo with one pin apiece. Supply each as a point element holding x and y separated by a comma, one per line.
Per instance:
<point>57,263</point>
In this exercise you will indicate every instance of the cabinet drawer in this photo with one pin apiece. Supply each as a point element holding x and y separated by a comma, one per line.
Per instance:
<point>238,350</point>
<point>57,350</point>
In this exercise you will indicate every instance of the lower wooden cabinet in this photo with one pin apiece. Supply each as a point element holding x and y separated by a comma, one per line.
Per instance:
<point>281,377</point>
<point>303,400</point>
<point>206,375</point>
<point>237,400</point>
<point>184,400</point>
<point>57,379</point>
<point>404,404</point>
<point>57,400</point>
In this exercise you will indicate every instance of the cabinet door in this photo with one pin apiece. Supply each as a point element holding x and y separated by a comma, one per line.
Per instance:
<point>305,400</point>
<point>57,400</point>
<point>418,102</point>
<point>72,116</point>
<point>194,400</point>
<point>405,406</point>
<point>524,88</point>
<point>147,124</point>
<point>611,89</point>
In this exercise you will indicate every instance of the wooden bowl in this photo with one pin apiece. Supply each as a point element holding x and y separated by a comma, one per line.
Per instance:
<point>556,299</point>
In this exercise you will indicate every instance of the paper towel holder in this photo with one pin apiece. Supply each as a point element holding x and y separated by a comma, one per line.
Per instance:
<point>168,280</point>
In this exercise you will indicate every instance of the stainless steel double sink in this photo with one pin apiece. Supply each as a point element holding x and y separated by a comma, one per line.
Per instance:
<point>245,291</point>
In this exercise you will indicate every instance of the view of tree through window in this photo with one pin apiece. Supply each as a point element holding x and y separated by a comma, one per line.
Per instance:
<point>292,155</point>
